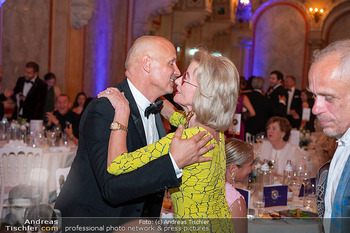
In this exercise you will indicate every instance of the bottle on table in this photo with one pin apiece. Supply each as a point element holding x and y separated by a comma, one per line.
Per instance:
<point>287,176</point>
<point>265,176</point>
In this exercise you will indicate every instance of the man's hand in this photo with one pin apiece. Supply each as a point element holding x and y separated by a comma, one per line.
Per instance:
<point>189,151</point>
<point>51,119</point>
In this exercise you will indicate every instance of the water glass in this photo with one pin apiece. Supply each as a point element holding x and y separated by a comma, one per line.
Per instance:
<point>51,137</point>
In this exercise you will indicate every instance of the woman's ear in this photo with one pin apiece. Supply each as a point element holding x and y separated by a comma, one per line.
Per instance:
<point>233,167</point>
<point>146,63</point>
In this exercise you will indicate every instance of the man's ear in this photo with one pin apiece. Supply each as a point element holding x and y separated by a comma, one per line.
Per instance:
<point>146,63</point>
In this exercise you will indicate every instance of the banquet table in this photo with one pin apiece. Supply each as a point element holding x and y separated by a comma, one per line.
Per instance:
<point>52,159</point>
<point>283,224</point>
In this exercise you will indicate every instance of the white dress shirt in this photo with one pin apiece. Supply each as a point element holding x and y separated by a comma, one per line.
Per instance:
<point>290,98</point>
<point>149,124</point>
<point>336,168</point>
<point>26,88</point>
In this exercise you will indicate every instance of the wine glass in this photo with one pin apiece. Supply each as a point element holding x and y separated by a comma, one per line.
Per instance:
<point>51,136</point>
<point>295,186</point>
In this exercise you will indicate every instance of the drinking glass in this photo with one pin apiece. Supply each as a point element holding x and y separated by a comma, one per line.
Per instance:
<point>259,202</point>
<point>51,137</point>
<point>295,186</point>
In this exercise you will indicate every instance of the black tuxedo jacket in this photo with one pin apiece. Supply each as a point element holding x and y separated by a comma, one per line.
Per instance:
<point>90,191</point>
<point>33,105</point>
<point>296,104</point>
<point>263,110</point>
<point>274,98</point>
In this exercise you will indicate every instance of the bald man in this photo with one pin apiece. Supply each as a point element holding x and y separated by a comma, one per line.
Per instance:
<point>90,191</point>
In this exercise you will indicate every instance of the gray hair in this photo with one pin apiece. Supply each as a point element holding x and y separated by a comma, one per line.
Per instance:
<point>340,50</point>
<point>238,152</point>
<point>258,83</point>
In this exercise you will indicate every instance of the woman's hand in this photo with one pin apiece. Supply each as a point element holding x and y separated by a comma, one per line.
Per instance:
<point>119,103</point>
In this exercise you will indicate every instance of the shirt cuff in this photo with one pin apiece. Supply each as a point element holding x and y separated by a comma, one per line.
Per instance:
<point>178,171</point>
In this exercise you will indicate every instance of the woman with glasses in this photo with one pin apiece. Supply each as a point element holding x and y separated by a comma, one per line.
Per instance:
<point>208,93</point>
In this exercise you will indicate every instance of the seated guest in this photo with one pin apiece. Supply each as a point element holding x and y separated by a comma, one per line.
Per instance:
<point>79,103</point>
<point>239,163</point>
<point>276,148</point>
<point>64,117</point>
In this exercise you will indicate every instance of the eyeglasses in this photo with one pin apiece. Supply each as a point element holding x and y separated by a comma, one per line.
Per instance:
<point>184,80</point>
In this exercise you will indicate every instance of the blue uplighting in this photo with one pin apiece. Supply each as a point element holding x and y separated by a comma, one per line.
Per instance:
<point>102,47</point>
<point>2,2</point>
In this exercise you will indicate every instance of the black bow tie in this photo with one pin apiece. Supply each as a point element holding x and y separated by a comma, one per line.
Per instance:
<point>28,81</point>
<point>153,108</point>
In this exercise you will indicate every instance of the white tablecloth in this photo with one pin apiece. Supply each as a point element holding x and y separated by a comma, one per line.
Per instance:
<point>53,159</point>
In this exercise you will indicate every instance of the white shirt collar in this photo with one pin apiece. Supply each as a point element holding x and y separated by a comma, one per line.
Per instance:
<point>344,139</point>
<point>140,99</point>
<point>258,90</point>
<point>276,86</point>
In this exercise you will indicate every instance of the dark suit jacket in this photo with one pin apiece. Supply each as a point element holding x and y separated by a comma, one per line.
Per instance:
<point>297,106</point>
<point>91,191</point>
<point>274,98</point>
<point>2,110</point>
<point>262,107</point>
<point>34,103</point>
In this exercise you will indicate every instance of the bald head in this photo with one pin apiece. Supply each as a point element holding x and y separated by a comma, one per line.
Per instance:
<point>146,45</point>
<point>151,66</point>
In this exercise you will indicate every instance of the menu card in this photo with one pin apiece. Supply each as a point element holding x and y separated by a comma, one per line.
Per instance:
<point>275,195</point>
<point>235,128</point>
<point>245,194</point>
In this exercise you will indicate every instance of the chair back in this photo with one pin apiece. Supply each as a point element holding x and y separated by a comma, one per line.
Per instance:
<point>20,166</point>
<point>61,177</point>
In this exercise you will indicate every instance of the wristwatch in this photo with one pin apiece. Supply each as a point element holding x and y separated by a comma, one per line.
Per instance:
<point>117,126</point>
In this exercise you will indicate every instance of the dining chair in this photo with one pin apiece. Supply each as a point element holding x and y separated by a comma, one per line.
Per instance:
<point>61,177</point>
<point>18,167</point>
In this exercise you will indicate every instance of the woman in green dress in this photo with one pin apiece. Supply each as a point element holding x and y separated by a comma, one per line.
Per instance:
<point>208,93</point>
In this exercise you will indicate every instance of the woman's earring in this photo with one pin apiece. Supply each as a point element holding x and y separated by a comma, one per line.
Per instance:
<point>233,176</point>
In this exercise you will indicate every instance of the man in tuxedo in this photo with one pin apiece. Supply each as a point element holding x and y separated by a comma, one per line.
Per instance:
<point>90,191</point>
<point>294,104</point>
<point>261,105</point>
<point>329,81</point>
<point>277,93</point>
<point>32,92</point>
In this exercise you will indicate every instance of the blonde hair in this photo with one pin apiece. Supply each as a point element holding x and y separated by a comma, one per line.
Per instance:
<point>215,98</point>
<point>238,152</point>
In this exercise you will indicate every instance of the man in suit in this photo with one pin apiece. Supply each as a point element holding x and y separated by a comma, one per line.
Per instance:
<point>329,81</point>
<point>90,191</point>
<point>294,105</point>
<point>32,92</point>
<point>277,93</point>
<point>261,105</point>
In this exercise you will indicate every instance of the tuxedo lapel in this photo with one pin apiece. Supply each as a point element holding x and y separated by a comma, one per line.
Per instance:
<point>134,111</point>
<point>32,88</point>
<point>160,126</point>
